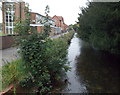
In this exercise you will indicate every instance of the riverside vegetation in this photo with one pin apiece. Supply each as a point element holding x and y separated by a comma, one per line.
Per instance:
<point>43,60</point>
<point>99,24</point>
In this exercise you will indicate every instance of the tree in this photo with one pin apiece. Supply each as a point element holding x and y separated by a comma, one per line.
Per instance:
<point>47,28</point>
<point>47,10</point>
<point>75,27</point>
<point>99,25</point>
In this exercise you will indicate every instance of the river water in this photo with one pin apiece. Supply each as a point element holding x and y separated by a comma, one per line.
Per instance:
<point>92,71</point>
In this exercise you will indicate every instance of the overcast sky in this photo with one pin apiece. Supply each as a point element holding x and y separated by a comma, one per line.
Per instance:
<point>69,9</point>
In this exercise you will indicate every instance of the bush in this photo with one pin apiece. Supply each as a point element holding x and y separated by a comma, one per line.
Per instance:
<point>45,60</point>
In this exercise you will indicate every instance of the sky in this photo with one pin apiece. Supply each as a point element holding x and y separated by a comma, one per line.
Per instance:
<point>69,9</point>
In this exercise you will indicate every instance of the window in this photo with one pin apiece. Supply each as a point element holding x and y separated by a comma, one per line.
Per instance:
<point>7,30</point>
<point>6,18</point>
<point>10,30</point>
<point>9,17</point>
<point>10,24</point>
<point>6,23</point>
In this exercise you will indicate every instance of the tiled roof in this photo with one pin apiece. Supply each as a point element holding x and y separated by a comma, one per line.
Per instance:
<point>59,17</point>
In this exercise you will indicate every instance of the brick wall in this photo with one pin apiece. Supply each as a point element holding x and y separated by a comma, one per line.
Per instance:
<point>6,42</point>
<point>32,17</point>
<point>19,12</point>
<point>40,28</point>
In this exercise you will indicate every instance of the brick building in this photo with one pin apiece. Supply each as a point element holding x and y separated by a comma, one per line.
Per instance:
<point>11,12</point>
<point>38,21</point>
<point>59,22</point>
<point>14,10</point>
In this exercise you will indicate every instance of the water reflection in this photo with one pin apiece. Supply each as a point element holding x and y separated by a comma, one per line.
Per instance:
<point>92,71</point>
<point>100,70</point>
<point>74,85</point>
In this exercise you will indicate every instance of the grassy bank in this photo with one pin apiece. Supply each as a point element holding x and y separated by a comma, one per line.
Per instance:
<point>2,34</point>
<point>53,56</point>
<point>12,73</point>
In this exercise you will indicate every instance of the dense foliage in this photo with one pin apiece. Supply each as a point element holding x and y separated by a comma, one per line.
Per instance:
<point>99,24</point>
<point>44,67</point>
<point>45,60</point>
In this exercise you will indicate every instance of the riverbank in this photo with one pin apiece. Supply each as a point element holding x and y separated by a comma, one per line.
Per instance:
<point>17,71</point>
<point>92,71</point>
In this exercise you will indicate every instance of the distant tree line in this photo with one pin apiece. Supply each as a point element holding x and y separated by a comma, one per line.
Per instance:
<point>99,24</point>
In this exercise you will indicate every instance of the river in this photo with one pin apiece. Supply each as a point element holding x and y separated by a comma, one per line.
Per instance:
<point>92,71</point>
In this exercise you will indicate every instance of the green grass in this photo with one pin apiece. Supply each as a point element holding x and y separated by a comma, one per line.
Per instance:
<point>11,73</point>
<point>2,34</point>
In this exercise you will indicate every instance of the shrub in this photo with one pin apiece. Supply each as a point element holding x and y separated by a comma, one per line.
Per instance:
<point>45,60</point>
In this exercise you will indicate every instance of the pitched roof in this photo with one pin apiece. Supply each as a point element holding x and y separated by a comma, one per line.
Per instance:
<point>59,17</point>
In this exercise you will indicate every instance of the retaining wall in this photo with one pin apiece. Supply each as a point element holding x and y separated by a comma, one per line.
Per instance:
<point>6,41</point>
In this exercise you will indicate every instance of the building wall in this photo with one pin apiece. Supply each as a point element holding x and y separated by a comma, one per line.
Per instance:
<point>6,41</point>
<point>39,29</point>
<point>19,11</point>
<point>32,18</point>
<point>16,14</point>
<point>38,21</point>
<point>59,22</point>
<point>22,11</point>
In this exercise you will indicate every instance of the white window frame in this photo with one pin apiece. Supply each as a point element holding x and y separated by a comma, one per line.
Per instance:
<point>9,27</point>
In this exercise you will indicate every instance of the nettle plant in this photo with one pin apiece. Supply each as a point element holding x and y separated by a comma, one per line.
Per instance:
<point>44,59</point>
